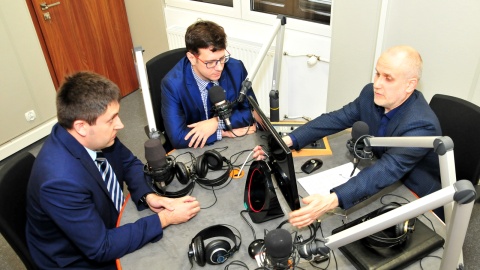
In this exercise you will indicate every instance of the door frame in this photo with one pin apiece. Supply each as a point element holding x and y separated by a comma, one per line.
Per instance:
<point>46,54</point>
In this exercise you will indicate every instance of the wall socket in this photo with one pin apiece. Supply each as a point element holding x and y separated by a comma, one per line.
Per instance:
<point>30,115</point>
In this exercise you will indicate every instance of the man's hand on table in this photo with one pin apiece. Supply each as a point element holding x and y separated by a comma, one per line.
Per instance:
<point>238,132</point>
<point>174,210</point>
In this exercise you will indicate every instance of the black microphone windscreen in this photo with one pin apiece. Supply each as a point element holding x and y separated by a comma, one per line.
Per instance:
<point>155,153</point>
<point>359,129</point>
<point>278,243</point>
<point>216,94</point>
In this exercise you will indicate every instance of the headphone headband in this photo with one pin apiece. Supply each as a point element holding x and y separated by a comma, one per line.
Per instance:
<point>216,251</point>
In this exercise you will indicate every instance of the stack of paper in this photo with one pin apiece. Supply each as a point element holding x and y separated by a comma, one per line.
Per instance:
<point>323,182</point>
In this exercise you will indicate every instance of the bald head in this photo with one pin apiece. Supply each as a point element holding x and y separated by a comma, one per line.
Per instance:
<point>406,59</point>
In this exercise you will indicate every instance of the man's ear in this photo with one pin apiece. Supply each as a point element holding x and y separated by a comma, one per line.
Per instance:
<point>80,127</point>
<point>191,58</point>
<point>411,85</point>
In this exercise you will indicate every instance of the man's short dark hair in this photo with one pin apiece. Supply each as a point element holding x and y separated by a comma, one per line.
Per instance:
<point>205,35</point>
<point>84,96</point>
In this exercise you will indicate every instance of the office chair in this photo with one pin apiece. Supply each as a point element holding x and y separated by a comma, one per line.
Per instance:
<point>14,177</point>
<point>157,68</point>
<point>459,120</point>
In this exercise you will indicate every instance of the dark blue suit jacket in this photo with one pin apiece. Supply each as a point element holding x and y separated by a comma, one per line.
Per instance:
<point>182,104</point>
<point>71,220</point>
<point>418,168</point>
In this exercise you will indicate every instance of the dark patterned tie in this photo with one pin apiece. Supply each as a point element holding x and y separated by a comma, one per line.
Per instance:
<point>209,85</point>
<point>113,187</point>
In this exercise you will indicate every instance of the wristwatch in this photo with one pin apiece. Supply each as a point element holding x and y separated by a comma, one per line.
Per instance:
<point>143,199</point>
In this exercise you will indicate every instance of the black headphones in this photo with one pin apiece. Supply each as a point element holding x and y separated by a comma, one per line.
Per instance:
<point>188,176</point>
<point>212,160</point>
<point>216,251</point>
<point>390,237</point>
<point>358,148</point>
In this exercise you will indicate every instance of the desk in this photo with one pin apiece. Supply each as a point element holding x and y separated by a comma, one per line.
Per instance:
<point>171,251</point>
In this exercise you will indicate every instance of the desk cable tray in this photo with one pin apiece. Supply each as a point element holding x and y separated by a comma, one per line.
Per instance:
<point>420,243</point>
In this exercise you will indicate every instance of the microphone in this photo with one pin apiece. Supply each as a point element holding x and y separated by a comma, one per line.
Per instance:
<point>159,166</point>
<point>355,146</point>
<point>314,251</point>
<point>278,249</point>
<point>222,107</point>
<point>359,129</point>
<point>246,84</point>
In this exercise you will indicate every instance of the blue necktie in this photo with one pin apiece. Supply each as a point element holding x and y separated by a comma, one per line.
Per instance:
<point>113,187</point>
<point>206,101</point>
<point>209,85</point>
<point>382,129</point>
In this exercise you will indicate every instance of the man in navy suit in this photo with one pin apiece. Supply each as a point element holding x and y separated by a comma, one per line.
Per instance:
<point>186,108</point>
<point>391,107</point>
<point>71,218</point>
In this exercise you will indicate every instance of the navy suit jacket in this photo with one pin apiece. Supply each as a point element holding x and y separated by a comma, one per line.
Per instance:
<point>182,103</point>
<point>418,168</point>
<point>71,220</point>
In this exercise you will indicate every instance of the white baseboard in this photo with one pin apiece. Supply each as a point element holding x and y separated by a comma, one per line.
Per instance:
<point>26,139</point>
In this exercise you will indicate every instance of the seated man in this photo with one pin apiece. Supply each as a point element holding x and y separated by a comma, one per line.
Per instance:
<point>391,107</point>
<point>75,193</point>
<point>186,108</point>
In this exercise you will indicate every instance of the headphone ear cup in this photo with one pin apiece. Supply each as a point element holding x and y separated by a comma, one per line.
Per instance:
<point>214,159</point>
<point>400,229</point>
<point>199,250</point>
<point>182,173</point>
<point>216,252</point>
<point>201,166</point>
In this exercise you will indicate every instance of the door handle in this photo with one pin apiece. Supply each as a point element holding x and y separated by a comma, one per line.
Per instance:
<point>46,6</point>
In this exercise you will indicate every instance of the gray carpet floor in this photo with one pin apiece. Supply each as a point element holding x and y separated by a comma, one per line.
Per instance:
<point>132,114</point>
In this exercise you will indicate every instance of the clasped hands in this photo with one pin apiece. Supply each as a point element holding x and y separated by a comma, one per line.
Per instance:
<point>173,210</point>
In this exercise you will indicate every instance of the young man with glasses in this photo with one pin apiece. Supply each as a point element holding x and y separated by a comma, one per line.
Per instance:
<point>186,109</point>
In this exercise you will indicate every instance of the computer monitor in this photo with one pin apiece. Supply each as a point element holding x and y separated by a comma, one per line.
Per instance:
<point>280,158</point>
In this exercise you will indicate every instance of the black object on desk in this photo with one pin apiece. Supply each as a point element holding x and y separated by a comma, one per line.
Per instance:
<point>260,198</point>
<point>311,165</point>
<point>420,243</point>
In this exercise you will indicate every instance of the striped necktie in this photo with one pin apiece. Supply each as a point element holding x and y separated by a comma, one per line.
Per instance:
<point>113,187</point>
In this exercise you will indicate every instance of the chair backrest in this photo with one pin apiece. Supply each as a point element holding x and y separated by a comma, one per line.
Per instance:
<point>14,177</point>
<point>157,68</point>
<point>460,120</point>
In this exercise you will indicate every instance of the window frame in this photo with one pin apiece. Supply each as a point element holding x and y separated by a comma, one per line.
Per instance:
<point>234,11</point>
<point>241,10</point>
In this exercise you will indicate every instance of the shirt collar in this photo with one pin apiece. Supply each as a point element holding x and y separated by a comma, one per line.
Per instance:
<point>93,154</point>
<point>202,84</point>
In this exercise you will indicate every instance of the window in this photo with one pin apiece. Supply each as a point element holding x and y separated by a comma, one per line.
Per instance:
<point>227,3</point>
<point>310,10</point>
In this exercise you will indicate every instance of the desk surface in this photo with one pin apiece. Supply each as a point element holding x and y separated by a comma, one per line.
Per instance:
<point>224,205</point>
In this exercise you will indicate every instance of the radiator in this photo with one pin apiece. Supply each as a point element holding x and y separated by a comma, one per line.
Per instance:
<point>246,51</point>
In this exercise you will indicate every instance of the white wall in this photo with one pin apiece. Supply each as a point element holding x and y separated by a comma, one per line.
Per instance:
<point>445,32</point>
<point>299,82</point>
<point>447,35</point>
<point>147,26</point>
<point>25,82</point>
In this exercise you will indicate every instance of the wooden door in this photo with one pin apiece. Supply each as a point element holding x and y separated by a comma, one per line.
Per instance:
<point>87,35</point>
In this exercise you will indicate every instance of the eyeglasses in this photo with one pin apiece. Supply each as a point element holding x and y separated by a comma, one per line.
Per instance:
<point>213,64</point>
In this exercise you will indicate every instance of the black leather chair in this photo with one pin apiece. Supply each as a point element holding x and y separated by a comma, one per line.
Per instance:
<point>14,177</point>
<point>157,68</point>
<point>460,120</point>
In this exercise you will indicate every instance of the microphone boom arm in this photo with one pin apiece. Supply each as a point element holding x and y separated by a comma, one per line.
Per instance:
<point>278,31</point>
<point>462,193</point>
<point>457,214</point>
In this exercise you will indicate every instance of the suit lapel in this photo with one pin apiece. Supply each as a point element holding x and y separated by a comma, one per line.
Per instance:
<point>78,151</point>
<point>193,91</point>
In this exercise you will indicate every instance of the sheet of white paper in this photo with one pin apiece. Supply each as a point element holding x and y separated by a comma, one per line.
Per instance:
<point>322,182</point>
